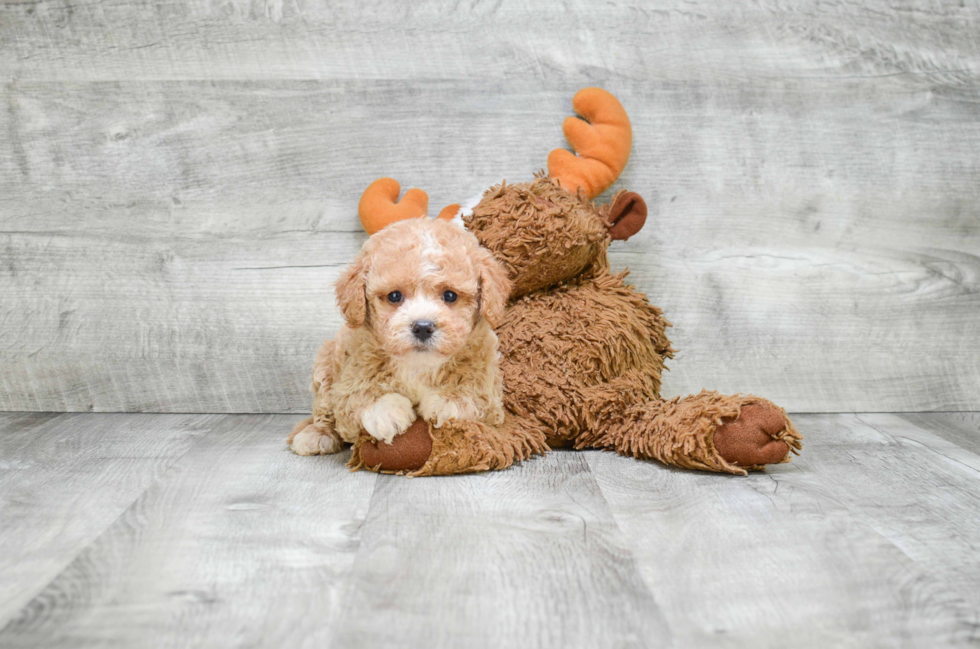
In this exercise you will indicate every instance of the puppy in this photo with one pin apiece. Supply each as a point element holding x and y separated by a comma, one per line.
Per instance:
<point>419,303</point>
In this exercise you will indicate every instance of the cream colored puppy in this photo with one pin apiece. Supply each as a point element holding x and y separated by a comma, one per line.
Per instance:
<point>419,302</point>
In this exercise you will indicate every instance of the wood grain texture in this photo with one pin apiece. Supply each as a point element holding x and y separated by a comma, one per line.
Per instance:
<point>868,540</point>
<point>178,185</point>
<point>241,542</point>
<point>960,428</point>
<point>431,39</point>
<point>527,557</point>
<point>64,479</point>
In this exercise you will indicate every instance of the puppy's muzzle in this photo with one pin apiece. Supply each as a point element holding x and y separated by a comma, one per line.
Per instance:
<point>422,330</point>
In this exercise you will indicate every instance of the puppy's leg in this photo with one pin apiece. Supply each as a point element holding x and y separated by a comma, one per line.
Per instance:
<point>390,415</point>
<point>315,435</point>
<point>314,438</point>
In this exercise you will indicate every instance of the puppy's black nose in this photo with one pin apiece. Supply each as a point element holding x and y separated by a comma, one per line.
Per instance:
<point>423,329</point>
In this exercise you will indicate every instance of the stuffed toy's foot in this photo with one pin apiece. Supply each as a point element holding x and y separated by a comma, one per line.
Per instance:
<point>707,431</point>
<point>406,452</point>
<point>456,447</point>
<point>761,434</point>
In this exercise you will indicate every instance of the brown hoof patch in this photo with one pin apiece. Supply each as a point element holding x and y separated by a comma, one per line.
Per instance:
<point>407,452</point>
<point>748,440</point>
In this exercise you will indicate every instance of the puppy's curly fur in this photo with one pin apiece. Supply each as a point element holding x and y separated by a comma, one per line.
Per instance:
<point>379,373</point>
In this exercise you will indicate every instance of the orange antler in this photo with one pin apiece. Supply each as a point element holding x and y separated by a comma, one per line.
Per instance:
<point>602,143</point>
<point>379,205</point>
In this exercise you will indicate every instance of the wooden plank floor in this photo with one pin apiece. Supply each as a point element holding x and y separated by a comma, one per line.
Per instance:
<point>203,530</point>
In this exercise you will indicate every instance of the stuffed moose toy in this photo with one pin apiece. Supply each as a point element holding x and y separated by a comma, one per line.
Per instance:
<point>582,352</point>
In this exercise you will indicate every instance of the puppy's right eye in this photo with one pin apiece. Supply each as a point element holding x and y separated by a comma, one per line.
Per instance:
<point>395,297</point>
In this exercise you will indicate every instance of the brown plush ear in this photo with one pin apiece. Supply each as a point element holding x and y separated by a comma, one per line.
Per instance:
<point>351,290</point>
<point>494,286</point>
<point>626,215</point>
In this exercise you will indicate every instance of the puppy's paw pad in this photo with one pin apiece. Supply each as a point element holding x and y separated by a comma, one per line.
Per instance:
<point>391,415</point>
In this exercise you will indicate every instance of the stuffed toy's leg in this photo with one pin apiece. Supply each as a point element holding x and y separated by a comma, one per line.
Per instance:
<point>707,431</point>
<point>456,447</point>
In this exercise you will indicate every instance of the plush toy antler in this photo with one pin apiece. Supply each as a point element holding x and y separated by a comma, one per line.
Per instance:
<point>379,205</point>
<point>602,143</point>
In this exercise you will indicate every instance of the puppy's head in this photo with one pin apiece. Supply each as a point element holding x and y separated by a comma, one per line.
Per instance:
<point>422,286</point>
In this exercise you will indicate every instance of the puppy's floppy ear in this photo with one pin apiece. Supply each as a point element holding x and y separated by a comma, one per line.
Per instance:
<point>351,290</point>
<point>494,286</point>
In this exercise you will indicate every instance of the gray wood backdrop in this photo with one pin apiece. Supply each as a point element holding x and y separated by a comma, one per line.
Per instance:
<point>179,180</point>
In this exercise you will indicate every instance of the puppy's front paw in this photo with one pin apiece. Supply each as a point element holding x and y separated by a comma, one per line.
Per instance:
<point>390,415</point>
<point>437,410</point>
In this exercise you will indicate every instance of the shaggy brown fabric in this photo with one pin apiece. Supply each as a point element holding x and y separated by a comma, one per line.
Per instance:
<point>681,432</point>
<point>456,447</point>
<point>549,219</point>
<point>582,353</point>
<point>566,353</point>
<point>469,446</point>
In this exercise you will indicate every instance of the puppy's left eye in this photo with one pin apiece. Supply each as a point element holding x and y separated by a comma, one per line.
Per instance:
<point>449,297</point>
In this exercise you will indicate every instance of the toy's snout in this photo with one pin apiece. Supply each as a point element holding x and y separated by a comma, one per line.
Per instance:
<point>626,216</point>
